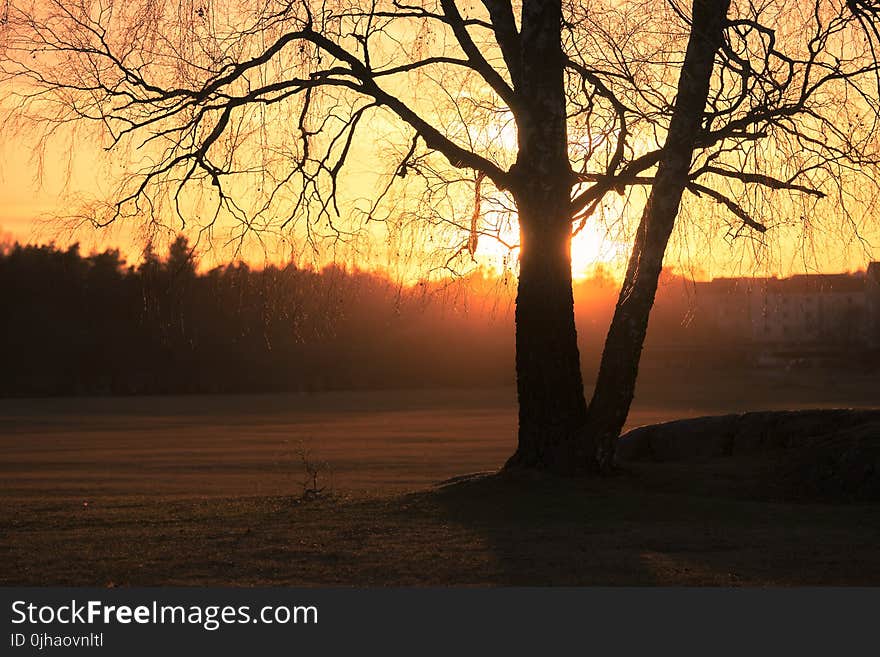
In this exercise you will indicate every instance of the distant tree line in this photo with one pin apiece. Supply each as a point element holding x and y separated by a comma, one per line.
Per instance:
<point>77,324</point>
<point>91,324</point>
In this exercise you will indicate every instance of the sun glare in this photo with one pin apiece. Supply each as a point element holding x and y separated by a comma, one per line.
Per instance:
<point>591,249</point>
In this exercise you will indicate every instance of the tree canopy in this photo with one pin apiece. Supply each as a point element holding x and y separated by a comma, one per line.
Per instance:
<point>317,119</point>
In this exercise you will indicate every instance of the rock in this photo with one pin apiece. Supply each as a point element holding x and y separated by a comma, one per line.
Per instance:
<point>830,454</point>
<point>705,438</point>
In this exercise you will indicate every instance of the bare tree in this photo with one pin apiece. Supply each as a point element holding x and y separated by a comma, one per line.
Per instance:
<point>731,103</point>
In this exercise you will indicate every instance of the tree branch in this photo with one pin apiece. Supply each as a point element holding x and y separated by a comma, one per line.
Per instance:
<point>730,204</point>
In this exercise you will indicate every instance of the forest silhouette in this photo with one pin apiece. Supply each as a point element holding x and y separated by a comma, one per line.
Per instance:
<point>91,324</point>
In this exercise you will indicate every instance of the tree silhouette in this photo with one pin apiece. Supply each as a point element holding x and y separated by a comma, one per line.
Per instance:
<point>736,106</point>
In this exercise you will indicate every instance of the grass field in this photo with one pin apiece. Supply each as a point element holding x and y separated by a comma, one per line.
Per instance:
<point>206,490</point>
<point>484,532</point>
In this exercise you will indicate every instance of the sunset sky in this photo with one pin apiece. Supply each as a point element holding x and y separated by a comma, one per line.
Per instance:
<point>34,195</point>
<point>42,187</point>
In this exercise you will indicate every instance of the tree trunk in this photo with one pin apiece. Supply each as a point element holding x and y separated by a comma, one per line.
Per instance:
<point>552,409</point>
<point>615,385</point>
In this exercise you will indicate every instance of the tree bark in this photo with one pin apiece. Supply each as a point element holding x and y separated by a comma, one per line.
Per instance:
<point>552,408</point>
<point>615,385</point>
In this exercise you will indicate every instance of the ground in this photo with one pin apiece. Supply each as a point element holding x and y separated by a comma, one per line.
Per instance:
<point>626,530</point>
<point>207,490</point>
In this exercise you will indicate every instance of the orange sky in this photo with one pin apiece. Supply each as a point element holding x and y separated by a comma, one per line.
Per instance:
<point>31,202</point>
<point>35,191</point>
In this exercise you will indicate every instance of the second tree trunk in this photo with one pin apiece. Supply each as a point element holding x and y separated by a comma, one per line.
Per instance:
<point>615,385</point>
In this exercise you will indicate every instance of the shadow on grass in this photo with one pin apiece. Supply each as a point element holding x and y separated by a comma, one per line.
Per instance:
<point>655,525</point>
<point>633,529</point>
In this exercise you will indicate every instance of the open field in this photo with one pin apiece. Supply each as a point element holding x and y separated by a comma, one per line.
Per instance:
<point>206,490</point>
<point>84,449</point>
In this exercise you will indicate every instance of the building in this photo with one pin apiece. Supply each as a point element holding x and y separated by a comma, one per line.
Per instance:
<point>810,314</point>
